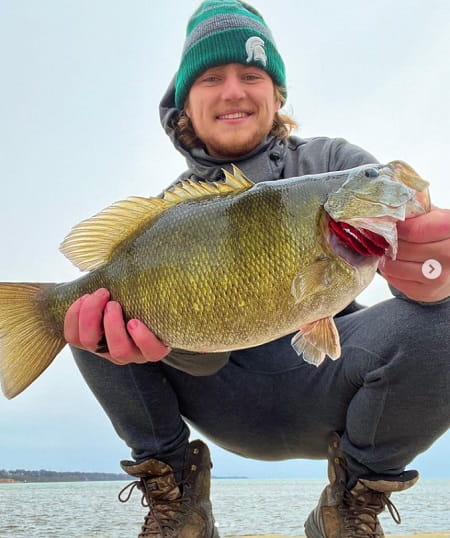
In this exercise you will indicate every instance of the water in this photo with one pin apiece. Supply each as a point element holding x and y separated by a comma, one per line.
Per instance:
<point>91,509</point>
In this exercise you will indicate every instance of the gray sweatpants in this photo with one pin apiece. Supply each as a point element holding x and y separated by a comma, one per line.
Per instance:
<point>388,395</point>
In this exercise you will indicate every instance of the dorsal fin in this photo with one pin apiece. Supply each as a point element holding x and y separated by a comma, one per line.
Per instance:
<point>92,243</point>
<point>189,189</point>
<point>237,180</point>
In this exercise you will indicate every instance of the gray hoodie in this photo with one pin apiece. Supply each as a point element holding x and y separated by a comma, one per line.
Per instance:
<point>271,160</point>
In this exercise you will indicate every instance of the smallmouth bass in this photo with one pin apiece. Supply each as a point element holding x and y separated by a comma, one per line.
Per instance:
<point>212,267</point>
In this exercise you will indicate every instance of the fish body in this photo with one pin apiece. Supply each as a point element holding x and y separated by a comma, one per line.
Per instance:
<point>223,266</point>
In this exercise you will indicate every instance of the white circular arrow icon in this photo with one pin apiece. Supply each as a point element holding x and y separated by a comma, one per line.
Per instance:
<point>431,269</point>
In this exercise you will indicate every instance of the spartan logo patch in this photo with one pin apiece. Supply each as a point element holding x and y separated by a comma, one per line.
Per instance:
<point>255,50</point>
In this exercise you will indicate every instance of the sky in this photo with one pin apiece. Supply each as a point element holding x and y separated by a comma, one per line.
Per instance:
<point>80,84</point>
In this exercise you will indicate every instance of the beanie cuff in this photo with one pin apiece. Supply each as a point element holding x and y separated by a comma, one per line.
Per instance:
<point>228,46</point>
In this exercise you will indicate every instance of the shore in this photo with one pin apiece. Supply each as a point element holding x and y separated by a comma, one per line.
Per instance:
<point>445,534</point>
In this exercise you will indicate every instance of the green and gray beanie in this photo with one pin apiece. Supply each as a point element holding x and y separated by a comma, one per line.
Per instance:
<point>226,31</point>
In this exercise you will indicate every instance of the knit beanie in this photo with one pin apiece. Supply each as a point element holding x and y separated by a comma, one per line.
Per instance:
<point>226,31</point>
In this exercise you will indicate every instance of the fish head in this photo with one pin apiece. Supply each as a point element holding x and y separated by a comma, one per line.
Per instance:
<point>363,212</point>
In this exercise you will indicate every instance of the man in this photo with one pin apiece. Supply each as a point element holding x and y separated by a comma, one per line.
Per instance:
<point>370,413</point>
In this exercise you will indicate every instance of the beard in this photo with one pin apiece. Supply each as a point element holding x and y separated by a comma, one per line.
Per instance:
<point>235,145</point>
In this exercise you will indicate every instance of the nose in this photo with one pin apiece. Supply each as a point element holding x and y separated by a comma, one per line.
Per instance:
<point>233,89</point>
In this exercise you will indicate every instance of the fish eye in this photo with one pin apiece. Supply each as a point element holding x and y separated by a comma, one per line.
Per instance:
<point>371,172</point>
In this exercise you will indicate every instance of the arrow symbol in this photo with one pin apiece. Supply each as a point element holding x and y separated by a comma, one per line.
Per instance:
<point>431,269</point>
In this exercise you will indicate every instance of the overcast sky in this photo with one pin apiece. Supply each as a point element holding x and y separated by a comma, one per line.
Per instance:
<point>80,83</point>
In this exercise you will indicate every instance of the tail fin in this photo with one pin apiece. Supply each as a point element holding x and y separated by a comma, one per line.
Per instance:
<point>27,343</point>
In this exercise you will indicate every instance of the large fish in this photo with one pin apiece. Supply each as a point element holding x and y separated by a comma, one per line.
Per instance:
<point>222,266</point>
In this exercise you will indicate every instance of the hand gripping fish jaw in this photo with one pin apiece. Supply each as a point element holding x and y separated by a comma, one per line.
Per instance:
<point>374,198</point>
<point>362,216</point>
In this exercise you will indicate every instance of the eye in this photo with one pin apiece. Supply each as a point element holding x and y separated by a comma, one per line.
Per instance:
<point>210,78</point>
<point>371,172</point>
<point>251,76</point>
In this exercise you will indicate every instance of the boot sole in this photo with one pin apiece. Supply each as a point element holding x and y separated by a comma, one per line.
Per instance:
<point>311,529</point>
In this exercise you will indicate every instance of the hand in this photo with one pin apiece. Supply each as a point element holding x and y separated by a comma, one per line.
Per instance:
<point>93,316</point>
<point>420,239</point>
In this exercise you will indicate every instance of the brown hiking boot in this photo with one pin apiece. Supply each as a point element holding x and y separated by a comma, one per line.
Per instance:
<point>181,509</point>
<point>353,512</point>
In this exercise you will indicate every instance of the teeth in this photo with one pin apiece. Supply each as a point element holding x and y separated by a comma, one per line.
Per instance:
<point>233,116</point>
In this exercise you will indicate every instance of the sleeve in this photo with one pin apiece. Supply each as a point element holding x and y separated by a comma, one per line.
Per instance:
<point>344,155</point>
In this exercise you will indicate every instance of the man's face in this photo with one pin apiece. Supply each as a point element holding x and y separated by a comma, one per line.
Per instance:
<point>232,108</point>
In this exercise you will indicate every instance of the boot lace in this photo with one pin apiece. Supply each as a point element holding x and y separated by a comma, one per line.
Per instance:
<point>359,511</point>
<point>164,513</point>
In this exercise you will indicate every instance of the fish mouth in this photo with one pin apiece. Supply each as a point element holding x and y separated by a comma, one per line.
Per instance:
<point>403,173</point>
<point>377,235</point>
<point>365,210</point>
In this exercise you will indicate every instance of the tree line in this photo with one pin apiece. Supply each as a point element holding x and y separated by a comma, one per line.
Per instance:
<point>43,475</point>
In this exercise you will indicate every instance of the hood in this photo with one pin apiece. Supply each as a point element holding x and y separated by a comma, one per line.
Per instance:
<point>265,162</point>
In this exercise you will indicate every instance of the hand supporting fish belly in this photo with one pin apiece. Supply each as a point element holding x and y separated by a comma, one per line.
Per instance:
<point>212,267</point>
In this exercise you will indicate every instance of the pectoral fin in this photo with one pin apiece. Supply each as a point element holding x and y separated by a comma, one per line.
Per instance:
<point>312,279</point>
<point>317,339</point>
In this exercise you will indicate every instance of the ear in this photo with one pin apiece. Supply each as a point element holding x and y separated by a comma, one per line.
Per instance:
<point>277,98</point>
<point>186,108</point>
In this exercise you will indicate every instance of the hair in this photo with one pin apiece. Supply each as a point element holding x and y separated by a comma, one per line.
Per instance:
<point>282,127</point>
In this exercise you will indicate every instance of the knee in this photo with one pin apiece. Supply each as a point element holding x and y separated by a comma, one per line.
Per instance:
<point>395,321</point>
<point>401,330</point>
<point>422,326</point>
<point>418,341</point>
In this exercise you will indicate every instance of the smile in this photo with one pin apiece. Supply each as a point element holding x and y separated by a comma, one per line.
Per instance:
<point>233,116</point>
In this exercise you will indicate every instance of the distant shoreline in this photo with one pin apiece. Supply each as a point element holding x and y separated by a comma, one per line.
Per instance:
<point>43,476</point>
<point>22,476</point>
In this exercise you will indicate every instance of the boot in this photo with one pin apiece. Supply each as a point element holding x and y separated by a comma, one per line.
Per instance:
<point>349,512</point>
<point>181,510</point>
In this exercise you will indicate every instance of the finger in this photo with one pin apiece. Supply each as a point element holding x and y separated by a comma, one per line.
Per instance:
<point>432,226</point>
<point>423,271</point>
<point>121,347</point>
<point>414,290</point>
<point>430,291</point>
<point>71,333</point>
<point>91,318</point>
<point>415,252</point>
<point>401,270</point>
<point>150,346</point>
